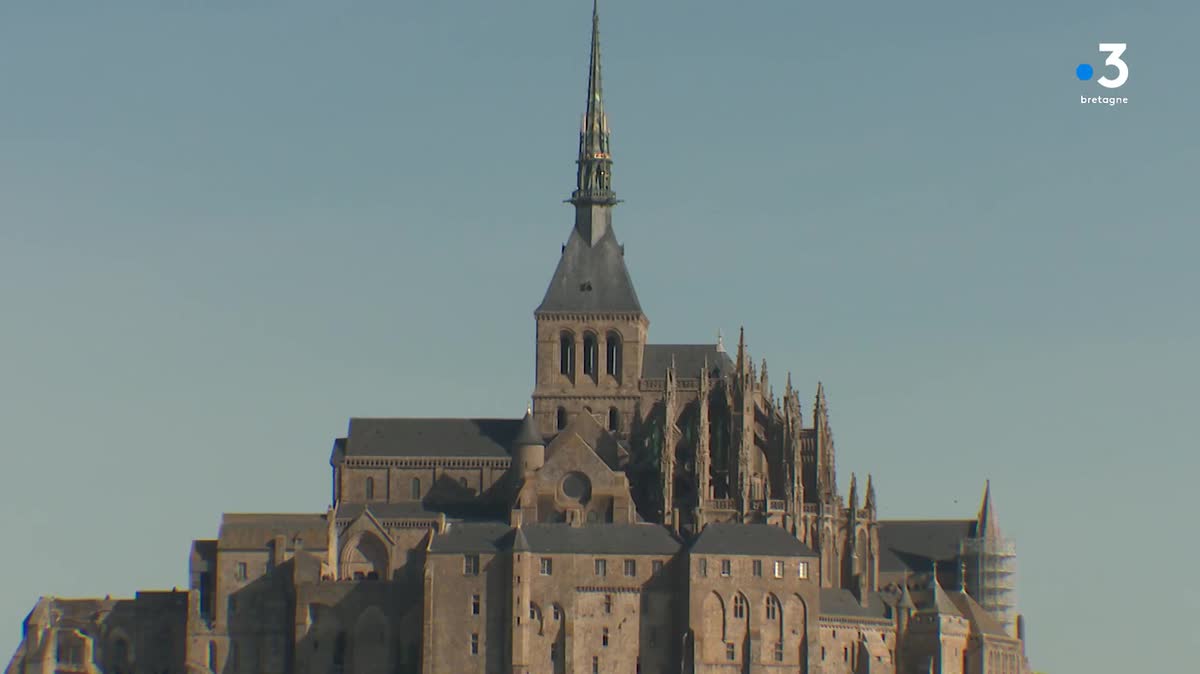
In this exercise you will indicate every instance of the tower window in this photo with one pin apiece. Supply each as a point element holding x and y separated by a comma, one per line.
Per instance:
<point>560,419</point>
<point>590,354</point>
<point>614,419</point>
<point>416,489</point>
<point>370,488</point>
<point>726,567</point>
<point>566,354</point>
<point>612,342</point>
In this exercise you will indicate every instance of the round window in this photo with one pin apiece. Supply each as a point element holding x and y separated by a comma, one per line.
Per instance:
<point>576,486</point>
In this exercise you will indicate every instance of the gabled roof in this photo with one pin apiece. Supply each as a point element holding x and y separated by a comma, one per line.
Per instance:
<point>912,545</point>
<point>601,539</point>
<point>689,360</point>
<point>981,621</point>
<point>749,539</point>
<point>247,531</point>
<point>591,278</point>
<point>386,511</point>
<point>843,603</point>
<point>476,438</point>
<point>472,537</point>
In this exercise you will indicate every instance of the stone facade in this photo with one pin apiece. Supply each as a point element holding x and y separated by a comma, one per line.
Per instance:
<point>657,509</point>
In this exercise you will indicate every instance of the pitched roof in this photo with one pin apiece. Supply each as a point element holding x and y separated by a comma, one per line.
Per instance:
<point>981,621</point>
<point>601,539</point>
<point>432,437</point>
<point>591,278</point>
<point>689,360</point>
<point>254,530</point>
<point>529,434</point>
<point>842,602</point>
<point>939,602</point>
<point>386,511</point>
<point>987,526</point>
<point>912,545</point>
<point>749,539</point>
<point>472,537</point>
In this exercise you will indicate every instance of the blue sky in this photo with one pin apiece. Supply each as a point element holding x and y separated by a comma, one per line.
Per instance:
<point>226,227</point>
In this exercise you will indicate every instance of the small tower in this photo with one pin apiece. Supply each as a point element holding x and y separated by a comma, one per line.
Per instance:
<point>529,447</point>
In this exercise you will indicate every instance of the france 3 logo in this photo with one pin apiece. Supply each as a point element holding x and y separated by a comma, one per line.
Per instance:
<point>1085,73</point>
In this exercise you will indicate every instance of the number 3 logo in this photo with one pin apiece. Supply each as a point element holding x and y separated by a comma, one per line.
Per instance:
<point>1114,50</point>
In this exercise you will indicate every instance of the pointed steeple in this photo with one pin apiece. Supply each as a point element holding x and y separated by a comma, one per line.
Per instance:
<point>870,502</point>
<point>853,494</point>
<point>940,603</point>
<point>593,184</point>
<point>987,526</point>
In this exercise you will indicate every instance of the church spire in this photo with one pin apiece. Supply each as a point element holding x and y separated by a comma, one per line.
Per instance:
<point>593,181</point>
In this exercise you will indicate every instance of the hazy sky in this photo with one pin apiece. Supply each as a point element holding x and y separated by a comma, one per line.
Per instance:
<point>228,226</point>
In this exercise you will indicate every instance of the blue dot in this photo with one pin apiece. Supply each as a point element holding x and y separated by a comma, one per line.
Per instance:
<point>1084,72</point>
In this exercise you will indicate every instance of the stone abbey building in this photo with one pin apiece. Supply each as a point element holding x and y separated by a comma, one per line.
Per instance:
<point>657,509</point>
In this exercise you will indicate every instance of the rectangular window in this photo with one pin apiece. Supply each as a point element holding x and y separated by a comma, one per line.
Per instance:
<point>470,565</point>
<point>802,569</point>
<point>475,643</point>
<point>608,603</point>
<point>547,566</point>
<point>778,651</point>
<point>656,565</point>
<point>475,604</point>
<point>604,638</point>
<point>595,665</point>
<point>240,572</point>
<point>758,568</point>
<point>557,612</point>
<point>630,567</point>
<point>729,652</point>
<point>778,569</point>
<point>726,567</point>
<point>704,567</point>
<point>601,567</point>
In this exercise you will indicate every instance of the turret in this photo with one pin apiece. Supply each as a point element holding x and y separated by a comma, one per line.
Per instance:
<point>529,447</point>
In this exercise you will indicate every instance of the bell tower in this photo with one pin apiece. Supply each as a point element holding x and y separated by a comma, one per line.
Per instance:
<point>591,330</point>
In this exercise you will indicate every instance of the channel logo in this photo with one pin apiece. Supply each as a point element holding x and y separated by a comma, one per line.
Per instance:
<point>1085,72</point>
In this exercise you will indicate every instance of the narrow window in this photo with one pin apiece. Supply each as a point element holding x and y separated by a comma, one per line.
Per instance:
<point>608,603</point>
<point>589,354</point>
<point>729,652</point>
<point>778,569</point>
<point>778,651</point>
<point>704,567</point>
<point>566,354</point>
<point>630,567</point>
<point>547,566</point>
<point>726,567</point>
<point>802,569</point>
<point>416,489</point>
<point>474,643</point>
<point>772,607</point>
<point>595,664</point>
<point>370,488</point>
<point>656,566</point>
<point>557,612</point>
<point>240,573</point>
<point>601,567</point>
<point>739,607</point>
<point>470,565</point>
<point>554,652</point>
<point>613,362</point>
<point>533,611</point>
<point>212,656</point>
<point>614,419</point>
<point>561,418</point>
<point>604,638</point>
<point>475,604</point>
<point>637,665</point>
<point>758,568</point>
<point>846,653</point>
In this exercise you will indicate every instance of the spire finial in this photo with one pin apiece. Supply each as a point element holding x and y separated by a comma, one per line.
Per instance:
<point>720,342</point>
<point>593,181</point>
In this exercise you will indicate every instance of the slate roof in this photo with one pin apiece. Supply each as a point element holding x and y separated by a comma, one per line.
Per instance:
<point>476,438</point>
<point>387,511</point>
<point>749,539</point>
<point>601,539</point>
<point>472,537</point>
<point>689,360</point>
<point>842,602</point>
<point>246,531</point>
<point>591,278</point>
<point>981,621</point>
<point>911,545</point>
<point>529,434</point>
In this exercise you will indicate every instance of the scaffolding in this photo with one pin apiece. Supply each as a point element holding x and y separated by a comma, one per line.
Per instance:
<point>990,576</point>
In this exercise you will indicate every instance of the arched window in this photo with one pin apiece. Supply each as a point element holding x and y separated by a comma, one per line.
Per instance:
<point>614,419</point>
<point>773,607</point>
<point>561,418</point>
<point>612,342</point>
<point>370,488</point>
<point>591,352</point>
<point>739,606</point>
<point>416,489</point>
<point>566,353</point>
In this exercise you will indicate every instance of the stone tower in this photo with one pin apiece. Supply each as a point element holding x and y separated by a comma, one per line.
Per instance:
<point>591,330</point>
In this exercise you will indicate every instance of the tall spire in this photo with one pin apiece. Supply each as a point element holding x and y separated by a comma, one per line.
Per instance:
<point>987,527</point>
<point>593,182</point>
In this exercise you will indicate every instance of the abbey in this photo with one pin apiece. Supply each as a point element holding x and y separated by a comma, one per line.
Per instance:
<point>656,509</point>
